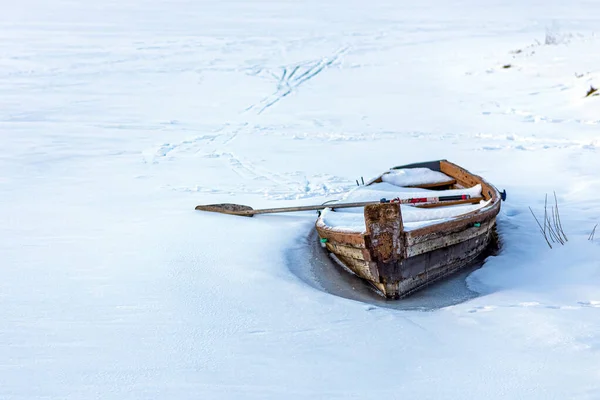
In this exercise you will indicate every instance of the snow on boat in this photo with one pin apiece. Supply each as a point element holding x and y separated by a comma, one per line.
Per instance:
<point>432,219</point>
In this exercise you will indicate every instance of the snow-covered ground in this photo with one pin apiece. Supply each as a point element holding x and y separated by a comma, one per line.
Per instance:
<point>118,117</point>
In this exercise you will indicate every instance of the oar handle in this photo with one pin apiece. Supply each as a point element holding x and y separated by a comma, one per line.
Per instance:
<point>416,200</point>
<point>310,208</point>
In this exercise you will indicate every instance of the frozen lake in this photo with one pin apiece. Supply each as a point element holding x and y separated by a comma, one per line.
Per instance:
<point>314,266</point>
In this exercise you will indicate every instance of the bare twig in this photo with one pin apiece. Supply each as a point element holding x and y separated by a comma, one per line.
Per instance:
<point>555,228</point>
<point>559,228</point>
<point>591,237</point>
<point>554,218</point>
<point>545,213</point>
<point>551,231</point>
<point>558,218</point>
<point>540,226</point>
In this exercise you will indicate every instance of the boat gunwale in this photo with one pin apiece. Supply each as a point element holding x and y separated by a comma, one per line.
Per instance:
<point>450,224</point>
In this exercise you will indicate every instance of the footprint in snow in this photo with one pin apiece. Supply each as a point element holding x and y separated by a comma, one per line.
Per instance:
<point>257,332</point>
<point>482,309</point>
<point>591,303</point>
<point>529,304</point>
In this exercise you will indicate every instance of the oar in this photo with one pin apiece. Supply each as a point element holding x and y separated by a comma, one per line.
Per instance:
<point>246,211</point>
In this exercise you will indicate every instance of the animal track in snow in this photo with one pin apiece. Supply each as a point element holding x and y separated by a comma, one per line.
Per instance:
<point>534,118</point>
<point>291,77</point>
<point>531,143</point>
<point>482,309</point>
<point>592,303</point>
<point>152,155</point>
<point>206,143</point>
<point>287,186</point>
<point>535,304</point>
<point>248,170</point>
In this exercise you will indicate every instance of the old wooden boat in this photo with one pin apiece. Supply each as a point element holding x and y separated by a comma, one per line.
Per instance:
<point>434,218</point>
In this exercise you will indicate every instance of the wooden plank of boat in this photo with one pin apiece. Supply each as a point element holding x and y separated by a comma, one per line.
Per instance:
<point>348,251</point>
<point>473,200</point>
<point>452,226</point>
<point>414,249</point>
<point>384,232</point>
<point>434,185</point>
<point>349,239</point>
<point>364,269</point>
<point>427,268</point>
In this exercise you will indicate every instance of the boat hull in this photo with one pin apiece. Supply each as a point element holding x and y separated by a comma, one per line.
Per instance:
<point>398,262</point>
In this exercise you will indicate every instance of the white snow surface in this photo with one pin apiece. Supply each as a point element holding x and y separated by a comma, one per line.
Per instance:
<point>414,176</point>
<point>415,217</point>
<point>352,219</point>
<point>118,117</point>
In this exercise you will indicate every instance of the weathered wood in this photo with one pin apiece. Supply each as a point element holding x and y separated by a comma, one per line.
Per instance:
<point>448,240</point>
<point>443,268</point>
<point>384,232</point>
<point>436,185</point>
<point>348,251</point>
<point>461,175</point>
<point>453,225</point>
<point>456,254</point>
<point>433,185</point>
<point>384,240</point>
<point>364,269</point>
<point>467,178</point>
<point>418,266</point>
<point>474,200</point>
<point>227,208</point>
<point>351,239</point>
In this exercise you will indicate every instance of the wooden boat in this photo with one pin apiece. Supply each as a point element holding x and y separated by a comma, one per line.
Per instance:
<point>399,257</point>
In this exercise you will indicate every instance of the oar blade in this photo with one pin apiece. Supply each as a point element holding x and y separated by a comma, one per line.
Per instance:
<point>227,208</point>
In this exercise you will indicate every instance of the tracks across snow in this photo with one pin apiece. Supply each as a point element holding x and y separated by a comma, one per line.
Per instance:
<point>530,142</point>
<point>216,144</point>
<point>272,184</point>
<point>204,144</point>
<point>289,78</point>
<point>275,186</point>
<point>535,118</point>
<point>535,304</point>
